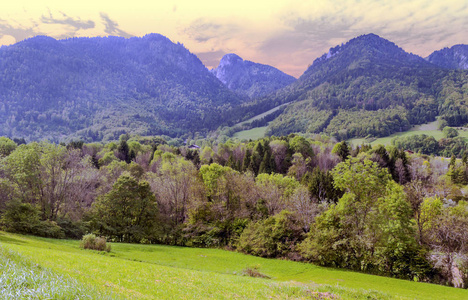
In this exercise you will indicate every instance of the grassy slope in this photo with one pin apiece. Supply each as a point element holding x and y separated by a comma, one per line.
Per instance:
<point>254,133</point>
<point>427,129</point>
<point>257,132</point>
<point>257,117</point>
<point>151,271</point>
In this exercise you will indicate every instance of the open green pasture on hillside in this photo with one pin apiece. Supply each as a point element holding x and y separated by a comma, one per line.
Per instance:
<point>429,129</point>
<point>165,272</point>
<point>251,134</point>
<point>258,117</point>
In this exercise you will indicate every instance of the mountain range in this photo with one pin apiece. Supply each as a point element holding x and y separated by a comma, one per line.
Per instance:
<point>370,87</point>
<point>99,88</point>
<point>248,78</point>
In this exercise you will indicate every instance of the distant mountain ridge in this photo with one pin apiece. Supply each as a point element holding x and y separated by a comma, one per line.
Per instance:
<point>249,78</point>
<point>366,87</point>
<point>98,88</point>
<point>455,57</point>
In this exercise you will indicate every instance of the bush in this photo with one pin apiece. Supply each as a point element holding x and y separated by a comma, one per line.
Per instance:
<point>24,218</point>
<point>73,229</point>
<point>276,236</point>
<point>90,241</point>
<point>253,271</point>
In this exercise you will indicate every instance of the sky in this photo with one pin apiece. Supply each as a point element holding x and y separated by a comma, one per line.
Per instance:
<point>288,35</point>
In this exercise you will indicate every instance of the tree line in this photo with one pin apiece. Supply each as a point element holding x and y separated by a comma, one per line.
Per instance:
<point>371,209</point>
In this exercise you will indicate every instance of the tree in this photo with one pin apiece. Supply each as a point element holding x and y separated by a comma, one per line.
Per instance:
<point>127,213</point>
<point>370,227</point>
<point>450,132</point>
<point>6,146</point>
<point>446,227</point>
<point>300,145</point>
<point>276,191</point>
<point>321,186</point>
<point>173,184</point>
<point>342,150</point>
<point>275,236</point>
<point>123,152</point>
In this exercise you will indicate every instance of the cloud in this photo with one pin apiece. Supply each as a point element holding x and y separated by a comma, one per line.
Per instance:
<point>74,23</point>
<point>310,29</point>
<point>18,32</point>
<point>112,27</point>
<point>202,30</point>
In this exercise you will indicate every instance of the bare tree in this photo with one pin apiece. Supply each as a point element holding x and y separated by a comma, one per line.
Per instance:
<point>449,239</point>
<point>172,185</point>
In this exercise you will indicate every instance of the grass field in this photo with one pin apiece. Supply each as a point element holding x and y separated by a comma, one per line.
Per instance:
<point>427,129</point>
<point>254,133</point>
<point>257,117</point>
<point>164,272</point>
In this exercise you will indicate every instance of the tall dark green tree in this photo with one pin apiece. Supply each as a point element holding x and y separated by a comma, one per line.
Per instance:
<point>128,213</point>
<point>123,152</point>
<point>342,150</point>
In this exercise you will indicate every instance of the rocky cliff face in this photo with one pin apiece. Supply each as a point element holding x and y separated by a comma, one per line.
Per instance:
<point>455,57</point>
<point>248,78</point>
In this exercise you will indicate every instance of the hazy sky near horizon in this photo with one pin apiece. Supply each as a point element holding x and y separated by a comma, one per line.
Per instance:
<point>286,34</point>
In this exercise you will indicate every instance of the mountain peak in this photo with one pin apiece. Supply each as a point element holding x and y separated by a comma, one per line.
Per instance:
<point>230,59</point>
<point>367,49</point>
<point>455,57</point>
<point>144,85</point>
<point>248,78</point>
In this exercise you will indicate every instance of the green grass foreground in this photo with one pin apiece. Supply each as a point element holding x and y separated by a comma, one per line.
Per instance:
<point>164,272</point>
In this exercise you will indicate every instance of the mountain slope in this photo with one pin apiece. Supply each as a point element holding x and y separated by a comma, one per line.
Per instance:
<point>101,87</point>
<point>455,57</point>
<point>249,78</point>
<point>368,86</point>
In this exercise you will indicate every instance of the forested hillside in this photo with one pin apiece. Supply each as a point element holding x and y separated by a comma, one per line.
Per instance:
<point>370,86</point>
<point>99,88</point>
<point>455,57</point>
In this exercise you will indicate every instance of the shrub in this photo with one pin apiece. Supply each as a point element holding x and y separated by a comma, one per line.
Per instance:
<point>253,271</point>
<point>276,236</point>
<point>24,218</point>
<point>90,241</point>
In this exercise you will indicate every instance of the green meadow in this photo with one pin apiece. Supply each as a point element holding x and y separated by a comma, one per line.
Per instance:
<point>254,133</point>
<point>133,271</point>
<point>429,129</point>
<point>259,116</point>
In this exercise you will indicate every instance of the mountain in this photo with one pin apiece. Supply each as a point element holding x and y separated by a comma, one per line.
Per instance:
<point>455,57</point>
<point>366,87</point>
<point>98,88</point>
<point>249,78</point>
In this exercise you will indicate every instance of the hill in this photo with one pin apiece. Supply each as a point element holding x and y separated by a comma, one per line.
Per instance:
<point>455,57</point>
<point>248,78</point>
<point>165,272</point>
<point>368,87</point>
<point>99,88</point>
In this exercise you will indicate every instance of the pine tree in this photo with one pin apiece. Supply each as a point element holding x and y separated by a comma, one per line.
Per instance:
<point>246,161</point>
<point>123,151</point>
